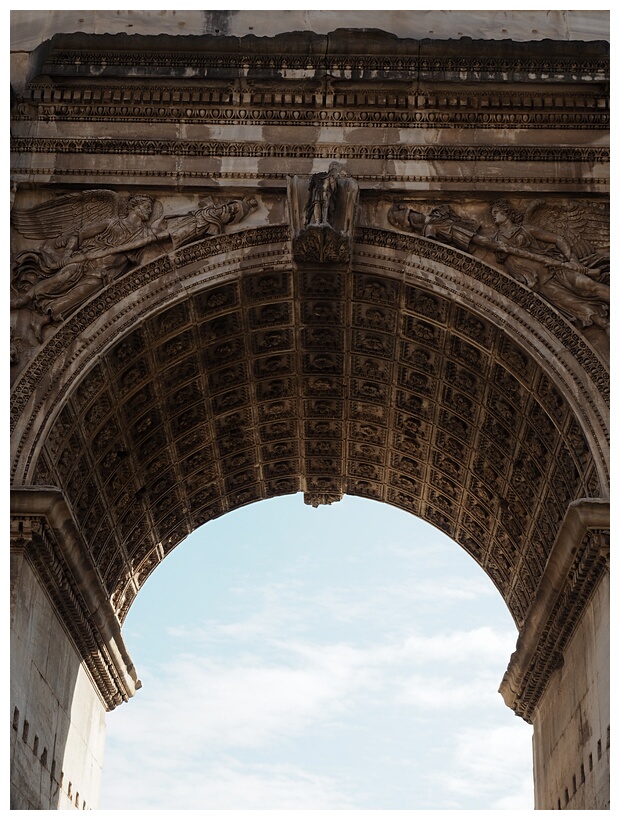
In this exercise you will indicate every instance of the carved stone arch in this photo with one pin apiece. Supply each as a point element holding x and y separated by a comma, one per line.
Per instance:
<point>412,379</point>
<point>315,351</point>
<point>567,358</point>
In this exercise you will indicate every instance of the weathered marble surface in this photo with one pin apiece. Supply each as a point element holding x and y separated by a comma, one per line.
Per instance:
<point>28,29</point>
<point>386,330</point>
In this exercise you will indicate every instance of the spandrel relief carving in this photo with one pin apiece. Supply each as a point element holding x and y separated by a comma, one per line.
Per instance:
<point>568,270</point>
<point>91,238</point>
<point>322,211</point>
<point>558,250</point>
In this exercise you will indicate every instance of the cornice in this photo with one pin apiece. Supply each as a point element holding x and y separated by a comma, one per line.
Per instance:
<point>42,527</point>
<point>347,78</point>
<point>578,560</point>
<point>344,52</point>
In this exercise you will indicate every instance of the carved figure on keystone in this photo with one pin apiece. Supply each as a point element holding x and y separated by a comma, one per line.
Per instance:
<point>323,193</point>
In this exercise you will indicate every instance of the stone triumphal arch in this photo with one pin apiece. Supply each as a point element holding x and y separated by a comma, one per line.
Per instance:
<point>328,262</point>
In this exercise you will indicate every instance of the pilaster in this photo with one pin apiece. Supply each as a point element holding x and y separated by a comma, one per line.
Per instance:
<point>558,677</point>
<point>68,661</point>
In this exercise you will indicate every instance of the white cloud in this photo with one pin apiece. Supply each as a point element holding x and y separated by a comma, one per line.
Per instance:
<point>200,705</point>
<point>491,763</point>
<point>287,612</point>
<point>446,694</point>
<point>229,786</point>
<point>521,796</point>
<point>282,687</point>
<point>287,661</point>
<point>488,752</point>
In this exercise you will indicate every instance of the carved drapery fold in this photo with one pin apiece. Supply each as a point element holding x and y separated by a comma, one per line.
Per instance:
<point>90,239</point>
<point>560,251</point>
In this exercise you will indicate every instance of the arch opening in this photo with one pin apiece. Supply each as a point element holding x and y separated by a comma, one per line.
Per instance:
<point>344,657</point>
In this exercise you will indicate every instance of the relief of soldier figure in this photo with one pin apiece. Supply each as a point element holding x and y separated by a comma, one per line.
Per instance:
<point>92,238</point>
<point>561,251</point>
<point>322,210</point>
<point>322,195</point>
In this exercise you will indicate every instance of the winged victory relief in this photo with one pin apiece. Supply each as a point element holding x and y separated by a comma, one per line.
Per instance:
<point>561,251</point>
<point>93,237</point>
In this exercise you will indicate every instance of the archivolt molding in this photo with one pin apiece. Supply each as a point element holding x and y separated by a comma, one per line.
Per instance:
<point>172,371</point>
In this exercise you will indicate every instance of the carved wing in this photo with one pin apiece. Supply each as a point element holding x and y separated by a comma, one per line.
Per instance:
<point>66,213</point>
<point>585,225</point>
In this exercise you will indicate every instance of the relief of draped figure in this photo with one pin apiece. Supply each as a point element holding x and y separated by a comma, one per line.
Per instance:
<point>559,251</point>
<point>92,238</point>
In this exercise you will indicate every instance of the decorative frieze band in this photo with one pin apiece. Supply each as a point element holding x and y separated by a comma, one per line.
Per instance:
<point>324,115</point>
<point>261,148</point>
<point>463,180</point>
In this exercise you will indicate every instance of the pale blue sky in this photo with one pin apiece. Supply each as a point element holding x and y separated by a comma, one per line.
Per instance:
<point>346,657</point>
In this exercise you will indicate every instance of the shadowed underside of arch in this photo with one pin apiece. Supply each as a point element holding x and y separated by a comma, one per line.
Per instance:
<point>176,356</point>
<point>216,383</point>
